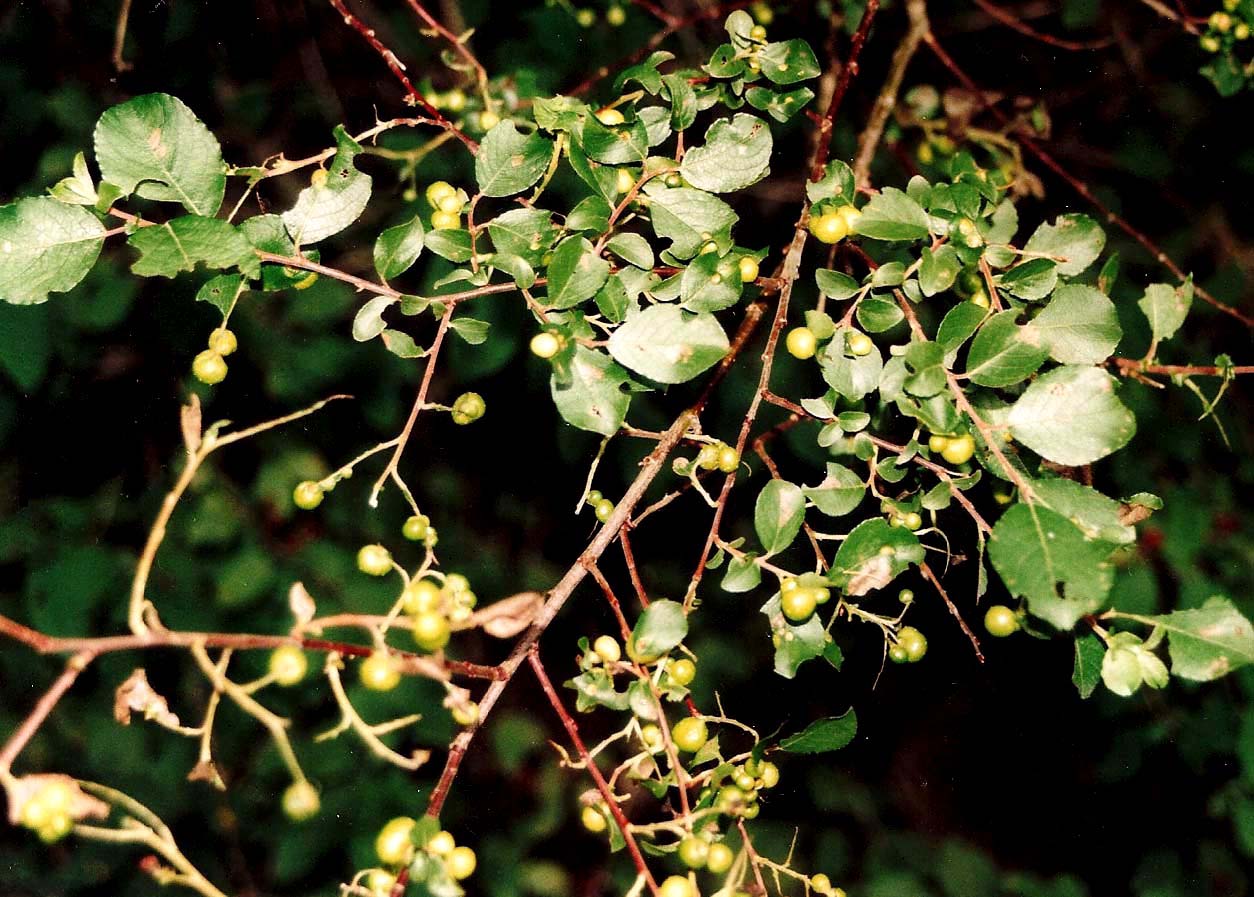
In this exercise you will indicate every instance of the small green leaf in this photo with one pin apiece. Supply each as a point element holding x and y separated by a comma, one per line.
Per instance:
<point>153,145</point>
<point>398,248</point>
<point>592,398</point>
<point>1165,307</point>
<point>1031,281</point>
<point>451,244</point>
<point>958,324</point>
<point>873,555</point>
<point>1073,241</point>
<point>180,243</point>
<point>529,233</point>
<point>778,515</point>
<point>710,283</point>
<point>669,345</point>
<point>1087,672</point>
<point>631,248</point>
<point>576,272</point>
<point>789,61</point>
<point>938,269</point>
<point>662,626</point>
<point>471,330</point>
<point>795,643</point>
<point>835,284</point>
<point>368,322</point>
<point>892,215</point>
<point>220,291</point>
<point>45,247</point>
<point>840,492</point>
<point>736,154</point>
<point>743,574</point>
<point>685,216</point>
<point>509,162</point>
<point>625,144</point>
<point>823,735</point>
<point>327,206</point>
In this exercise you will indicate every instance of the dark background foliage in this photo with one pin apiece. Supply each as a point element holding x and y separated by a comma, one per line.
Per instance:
<point>964,780</point>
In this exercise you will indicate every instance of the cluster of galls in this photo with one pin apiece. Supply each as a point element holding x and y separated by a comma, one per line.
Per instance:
<point>439,857</point>
<point>1225,28</point>
<point>48,812</point>
<point>209,367</point>
<point>716,455</point>
<point>798,601</point>
<point>601,506</point>
<point>954,449</point>
<point>737,793</point>
<point>802,343</point>
<point>447,202</point>
<point>910,645</point>
<point>902,519</point>
<point>455,101</point>
<point>831,221</point>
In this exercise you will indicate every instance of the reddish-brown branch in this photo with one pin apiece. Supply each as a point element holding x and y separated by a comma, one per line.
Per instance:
<point>847,73</point>
<point>986,100</point>
<point>459,45</point>
<point>1016,24</point>
<point>1129,366</point>
<point>962,624</point>
<point>612,599</point>
<point>629,558</point>
<point>413,96</point>
<point>23,734</point>
<point>607,795</point>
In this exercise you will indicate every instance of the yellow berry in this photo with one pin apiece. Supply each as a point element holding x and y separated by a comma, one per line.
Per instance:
<point>801,343</point>
<point>720,858</point>
<point>446,220</point>
<point>300,801</point>
<point>466,715</point>
<point>682,671</point>
<point>593,820</point>
<point>288,664</point>
<point>676,886</point>
<point>821,883</point>
<point>960,449</point>
<point>441,844</point>
<point>607,648</point>
<point>455,100</point>
<point>223,341</point>
<point>452,203</point>
<point>850,216</point>
<point>859,343</point>
<point>393,845</point>
<point>374,560</point>
<point>307,495</point>
<point>728,459</point>
<point>420,596</point>
<point>439,191</point>
<point>748,269</point>
<point>624,180</point>
<point>431,631</point>
<point>829,227</point>
<point>610,117</point>
<point>545,344</point>
<point>937,443</point>
<point>615,16</point>
<point>757,33</point>
<point>690,734</point>
<point>380,882</point>
<point>380,672</point>
<point>209,368</point>
<point>460,863</point>
<point>318,177</point>
<point>488,120</point>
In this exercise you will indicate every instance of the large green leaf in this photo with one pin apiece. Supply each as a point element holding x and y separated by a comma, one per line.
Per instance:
<point>735,154</point>
<point>667,344</point>
<point>330,204</point>
<point>45,247</point>
<point>789,61</point>
<point>873,555</point>
<point>155,146</point>
<point>778,515</point>
<point>625,144</point>
<point>181,243</point>
<point>398,248</point>
<point>661,627</point>
<point>509,162</point>
<point>840,492</point>
<point>529,233</point>
<point>1004,353</point>
<point>1073,241</point>
<point>576,272</point>
<point>823,735</point>
<point>892,215</point>
<point>689,218</point>
<point>593,397</point>
<point>1072,416</point>
<point>1043,557</point>
<point>1207,642</point>
<point>1079,326</point>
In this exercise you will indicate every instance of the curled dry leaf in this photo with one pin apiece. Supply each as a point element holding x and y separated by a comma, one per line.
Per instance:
<point>509,616</point>
<point>82,805</point>
<point>301,603</point>
<point>135,694</point>
<point>189,421</point>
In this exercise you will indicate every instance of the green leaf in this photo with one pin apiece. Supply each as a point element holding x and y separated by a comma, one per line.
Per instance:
<point>1004,353</point>
<point>329,205</point>
<point>180,243</point>
<point>401,344</point>
<point>1073,241</point>
<point>668,345</point>
<point>892,215</point>
<point>938,269</point>
<point>631,248</point>
<point>877,315</point>
<point>1031,281</point>
<point>1165,307</point>
<point>662,626</point>
<point>779,105</point>
<point>450,244</point>
<point>1087,672</point>
<point>45,247</point>
<point>1207,642</point>
<point>592,398</point>
<point>685,216</point>
<point>873,555</point>
<point>1096,515</point>
<point>778,515</point>
<point>529,233</point>
<point>1079,326</point>
<point>835,284</point>
<point>368,322</point>
<point>823,735</point>
<point>837,183</point>
<point>398,248</point>
<point>743,574</point>
<point>840,492</point>
<point>789,61</point>
<point>1072,416</point>
<point>795,643</point>
<point>736,154</point>
<point>624,144</point>
<point>153,145</point>
<point>710,284</point>
<point>958,324</point>
<point>1043,557</point>
<point>576,272</point>
<point>472,330</point>
<point>220,291</point>
<point>509,162</point>
<point>683,100</point>
<point>851,376</point>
